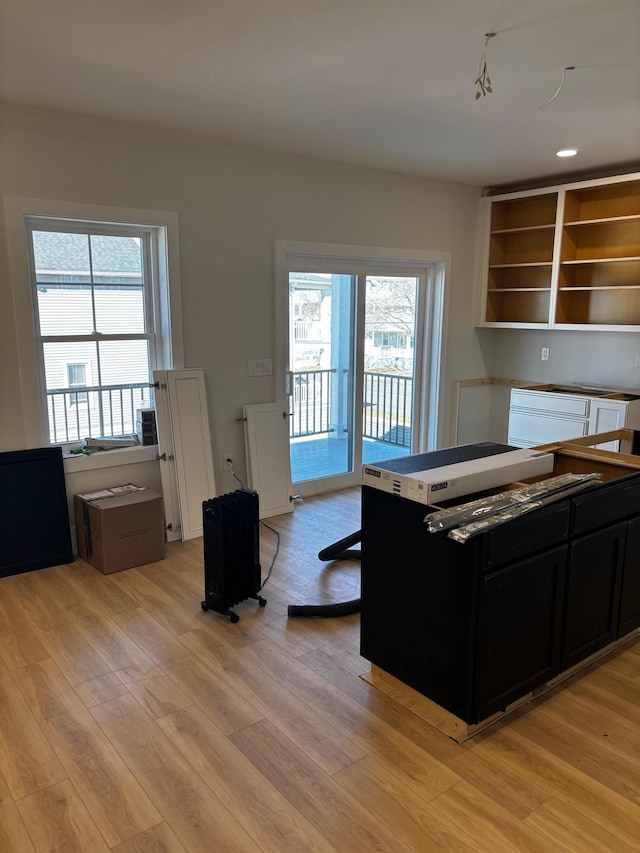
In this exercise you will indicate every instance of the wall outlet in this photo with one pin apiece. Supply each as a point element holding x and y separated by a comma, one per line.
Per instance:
<point>227,462</point>
<point>544,354</point>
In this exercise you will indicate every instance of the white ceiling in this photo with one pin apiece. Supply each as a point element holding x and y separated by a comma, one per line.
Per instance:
<point>382,83</point>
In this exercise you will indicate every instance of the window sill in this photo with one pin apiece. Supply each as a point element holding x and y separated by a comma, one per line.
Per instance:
<point>109,458</point>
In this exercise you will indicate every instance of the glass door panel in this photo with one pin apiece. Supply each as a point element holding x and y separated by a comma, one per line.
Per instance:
<point>389,377</point>
<point>321,372</point>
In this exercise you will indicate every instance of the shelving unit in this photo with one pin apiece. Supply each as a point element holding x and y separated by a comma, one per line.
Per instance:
<point>599,277</point>
<point>521,259</point>
<point>567,258</point>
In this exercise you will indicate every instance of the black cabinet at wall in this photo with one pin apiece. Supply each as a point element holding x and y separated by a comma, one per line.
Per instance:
<point>630,592</point>
<point>520,629</point>
<point>33,509</point>
<point>592,599</point>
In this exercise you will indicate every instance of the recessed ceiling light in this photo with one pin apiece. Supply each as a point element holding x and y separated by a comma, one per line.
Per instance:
<point>567,152</point>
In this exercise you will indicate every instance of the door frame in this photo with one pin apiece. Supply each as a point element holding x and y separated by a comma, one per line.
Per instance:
<point>431,371</point>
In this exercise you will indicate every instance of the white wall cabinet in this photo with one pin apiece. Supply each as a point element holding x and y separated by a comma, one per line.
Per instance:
<point>545,413</point>
<point>565,257</point>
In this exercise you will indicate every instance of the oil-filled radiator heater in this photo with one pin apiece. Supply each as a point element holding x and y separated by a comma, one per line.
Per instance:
<point>231,535</point>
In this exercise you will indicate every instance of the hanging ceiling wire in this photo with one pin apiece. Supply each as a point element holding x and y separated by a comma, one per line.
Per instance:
<point>483,81</point>
<point>557,92</point>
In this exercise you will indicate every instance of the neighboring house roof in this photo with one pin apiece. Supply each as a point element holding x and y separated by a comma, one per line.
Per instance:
<point>65,253</point>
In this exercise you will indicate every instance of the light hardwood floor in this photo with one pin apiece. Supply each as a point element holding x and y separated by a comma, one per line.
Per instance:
<point>132,721</point>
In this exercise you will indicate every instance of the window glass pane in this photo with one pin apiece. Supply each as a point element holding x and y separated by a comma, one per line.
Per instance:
<point>73,416</point>
<point>124,362</point>
<point>321,358</point>
<point>73,413</point>
<point>117,275</point>
<point>116,260</point>
<point>65,309</point>
<point>389,366</point>
<point>119,309</point>
<point>61,257</point>
<point>58,357</point>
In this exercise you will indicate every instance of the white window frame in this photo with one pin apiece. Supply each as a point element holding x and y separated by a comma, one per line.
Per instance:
<point>167,303</point>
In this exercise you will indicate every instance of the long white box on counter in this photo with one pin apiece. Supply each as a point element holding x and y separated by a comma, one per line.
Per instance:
<point>430,478</point>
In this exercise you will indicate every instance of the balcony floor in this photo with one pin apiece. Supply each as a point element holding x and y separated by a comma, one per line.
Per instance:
<point>321,456</point>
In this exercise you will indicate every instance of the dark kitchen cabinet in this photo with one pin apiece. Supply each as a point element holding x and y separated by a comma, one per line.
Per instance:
<point>471,626</point>
<point>419,597</point>
<point>475,627</point>
<point>520,629</point>
<point>629,618</point>
<point>592,600</point>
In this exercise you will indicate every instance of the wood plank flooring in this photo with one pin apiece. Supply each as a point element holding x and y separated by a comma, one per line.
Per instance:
<point>132,721</point>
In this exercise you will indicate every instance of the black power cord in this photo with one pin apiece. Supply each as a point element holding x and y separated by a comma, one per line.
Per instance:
<point>274,556</point>
<point>340,550</point>
<point>230,461</point>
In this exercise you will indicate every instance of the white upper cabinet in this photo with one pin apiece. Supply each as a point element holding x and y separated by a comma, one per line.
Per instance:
<point>563,257</point>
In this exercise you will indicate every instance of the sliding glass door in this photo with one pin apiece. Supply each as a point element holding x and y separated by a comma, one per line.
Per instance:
<point>358,365</point>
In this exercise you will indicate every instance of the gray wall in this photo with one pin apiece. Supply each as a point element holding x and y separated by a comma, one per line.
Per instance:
<point>602,358</point>
<point>232,205</point>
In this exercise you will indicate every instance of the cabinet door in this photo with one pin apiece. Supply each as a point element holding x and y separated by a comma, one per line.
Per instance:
<point>606,415</point>
<point>520,626</point>
<point>630,592</point>
<point>531,428</point>
<point>184,441</point>
<point>539,417</point>
<point>592,598</point>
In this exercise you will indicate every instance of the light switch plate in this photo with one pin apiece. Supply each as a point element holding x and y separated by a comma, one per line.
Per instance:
<point>260,367</point>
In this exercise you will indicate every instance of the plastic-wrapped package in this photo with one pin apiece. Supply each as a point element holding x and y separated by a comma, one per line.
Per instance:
<point>536,496</point>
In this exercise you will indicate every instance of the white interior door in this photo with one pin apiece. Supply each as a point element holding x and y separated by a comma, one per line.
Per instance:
<point>267,447</point>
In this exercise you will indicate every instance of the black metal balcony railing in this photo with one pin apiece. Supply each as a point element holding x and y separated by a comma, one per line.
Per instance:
<point>387,406</point>
<point>94,411</point>
<point>310,402</point>
<point>387,401</point>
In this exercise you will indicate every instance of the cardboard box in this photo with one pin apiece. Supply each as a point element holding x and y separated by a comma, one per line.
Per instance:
<point>430,478</point>
<point>120,528</point>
